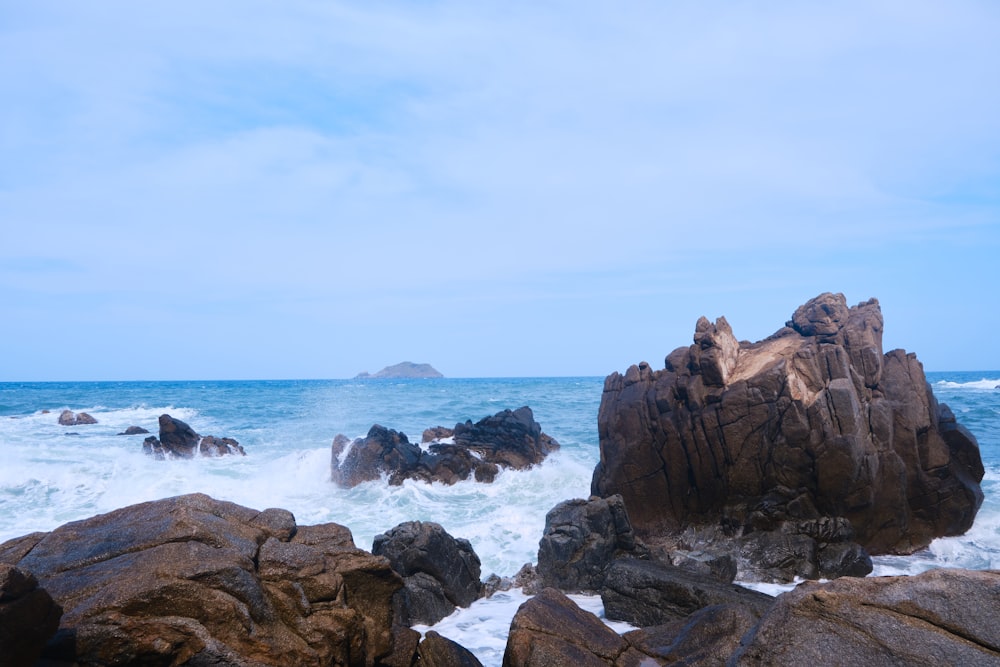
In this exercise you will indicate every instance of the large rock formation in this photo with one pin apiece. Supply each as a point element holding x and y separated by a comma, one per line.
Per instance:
<point>178,440</point>
<point>70,418</point>
<point>813,434</point>
<point>942,617</point>
<point>508,439</point>
<point>439,571</point>
<point>192,580</point>
<point>405,370</point>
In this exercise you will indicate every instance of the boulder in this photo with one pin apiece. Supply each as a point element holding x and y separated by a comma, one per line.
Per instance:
<point>439,571</point>
<point>581,539</point>
<point>28,617</point>
<point>644,593</point>
<point>941,617</point>
<point>196,580</point>
<point>438,651</point>
<point>549,629</point>
<point>813,426</point>
<point>69,418</point>
<point>134,430</point>
<point>178,440</point>
<point>509,439</point>
<point>709,636</point>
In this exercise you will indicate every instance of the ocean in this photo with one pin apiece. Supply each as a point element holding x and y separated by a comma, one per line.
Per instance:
<point>52,474</point>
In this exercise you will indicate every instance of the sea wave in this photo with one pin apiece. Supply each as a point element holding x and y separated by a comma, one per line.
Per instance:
<point>977,384</point>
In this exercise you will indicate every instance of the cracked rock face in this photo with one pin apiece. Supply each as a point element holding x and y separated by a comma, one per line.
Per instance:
<point>811,428</point>
<point>193,579</point>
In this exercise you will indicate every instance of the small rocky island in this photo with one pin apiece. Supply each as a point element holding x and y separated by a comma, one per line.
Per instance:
<point>405,370</point>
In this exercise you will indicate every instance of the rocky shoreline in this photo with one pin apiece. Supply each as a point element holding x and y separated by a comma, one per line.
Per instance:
<point>793,457</point>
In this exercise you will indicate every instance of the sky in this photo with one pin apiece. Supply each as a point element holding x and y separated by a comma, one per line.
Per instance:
<point>256,190</point>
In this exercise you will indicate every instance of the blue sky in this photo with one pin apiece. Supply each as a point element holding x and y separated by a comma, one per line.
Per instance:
<point>244,189</point>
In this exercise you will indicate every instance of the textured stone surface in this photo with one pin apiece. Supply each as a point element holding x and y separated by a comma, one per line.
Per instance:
<point>508,439</point>
<point>70,418</point>
<point>812,424</point>
<point>581,539</point>
<point>942,617</point>
<point>440,572</point>
<point>178,440</point>
<point>195,579</point>
<point>28,617</point>
<point>645,593</point>
<point>438,651</point>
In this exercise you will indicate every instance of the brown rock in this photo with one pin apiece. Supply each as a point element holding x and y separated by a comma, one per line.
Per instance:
<point>28,617</point>
<point>707,637</point>
<point>942,617</point>
<point>549,629</point>
<point>811,424</point>
<point>69,418</point>
<point>195,579</point>
<point>438,651</point>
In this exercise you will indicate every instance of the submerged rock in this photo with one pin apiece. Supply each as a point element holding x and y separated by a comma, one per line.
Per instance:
<point>70,418</point>
<point>134,430</point>
<point>193,580</point>
<point>509,439</point>
<point>178,440</point>
<point>810,428</point>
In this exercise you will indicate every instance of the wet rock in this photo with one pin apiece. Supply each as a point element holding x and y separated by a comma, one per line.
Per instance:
<point>438,651</point>
<point>69,418</point>
<point>813,424</point>
<point>178,440</point>
<point>195,580</point>
<point>439,571</point>
<point>644,593</point>
<point>935,618</point>
<point>505,440</point>
<point>28,617</point>
<point>709,636</point>
<point>134,430</point>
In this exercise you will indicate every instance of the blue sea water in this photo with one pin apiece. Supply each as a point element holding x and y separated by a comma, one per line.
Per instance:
<point>52,474</point>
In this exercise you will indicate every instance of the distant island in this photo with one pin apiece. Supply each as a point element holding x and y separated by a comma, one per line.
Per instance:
<point>406,369</point>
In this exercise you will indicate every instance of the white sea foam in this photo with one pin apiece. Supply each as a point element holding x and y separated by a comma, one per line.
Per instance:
<point>977,384</point>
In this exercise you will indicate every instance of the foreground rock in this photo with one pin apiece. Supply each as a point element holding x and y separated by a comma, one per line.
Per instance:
<point>440,572</point>
<point>580,541</point>
<point>178,440</point>
<point>508,439</point>
<point>70,418</point>
<point>813,436</point>
<point>195,580</point>
<point>942,617</point>
<point>28,617</point>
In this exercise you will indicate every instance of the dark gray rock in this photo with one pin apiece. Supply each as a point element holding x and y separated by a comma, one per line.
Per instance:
<point>178,440</point>
<point>28,617</point>
<point>438,651</point>
<point>440,572</point>
<point>134,430</point>
<point>581,539</point>
<point>709,636</point>
<point>645,593</point>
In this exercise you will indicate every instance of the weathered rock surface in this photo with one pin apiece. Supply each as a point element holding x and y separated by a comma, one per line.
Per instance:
<point>942,617</point>
<point>581,539</point>
<point>28,617</point>
<point>439,571</point>
<point>196,580</point>
<point>549,629</point>
<point>644,593</point>
<point>509,439</point>
<point>438,651</point>
<point>70,418</point>
<point>178,440</point>
<point>707,637</point>
<point>813,424</point>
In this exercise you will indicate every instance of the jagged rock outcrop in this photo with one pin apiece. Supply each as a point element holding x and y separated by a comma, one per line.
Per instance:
<point>509,439</point>
<point>941,617</point>
<point>70,418</point>
<point>28,617</point>
<point>193,580</point>
<point>439,571</point>
<point>812,433</point>
<point>178,440</point>
<point>581,539</point>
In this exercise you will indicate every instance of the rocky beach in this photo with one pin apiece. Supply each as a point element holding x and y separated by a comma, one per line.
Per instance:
<point>809,460</point>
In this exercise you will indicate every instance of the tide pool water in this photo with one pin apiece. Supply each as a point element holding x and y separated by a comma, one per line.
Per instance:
<point>51,474</point>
